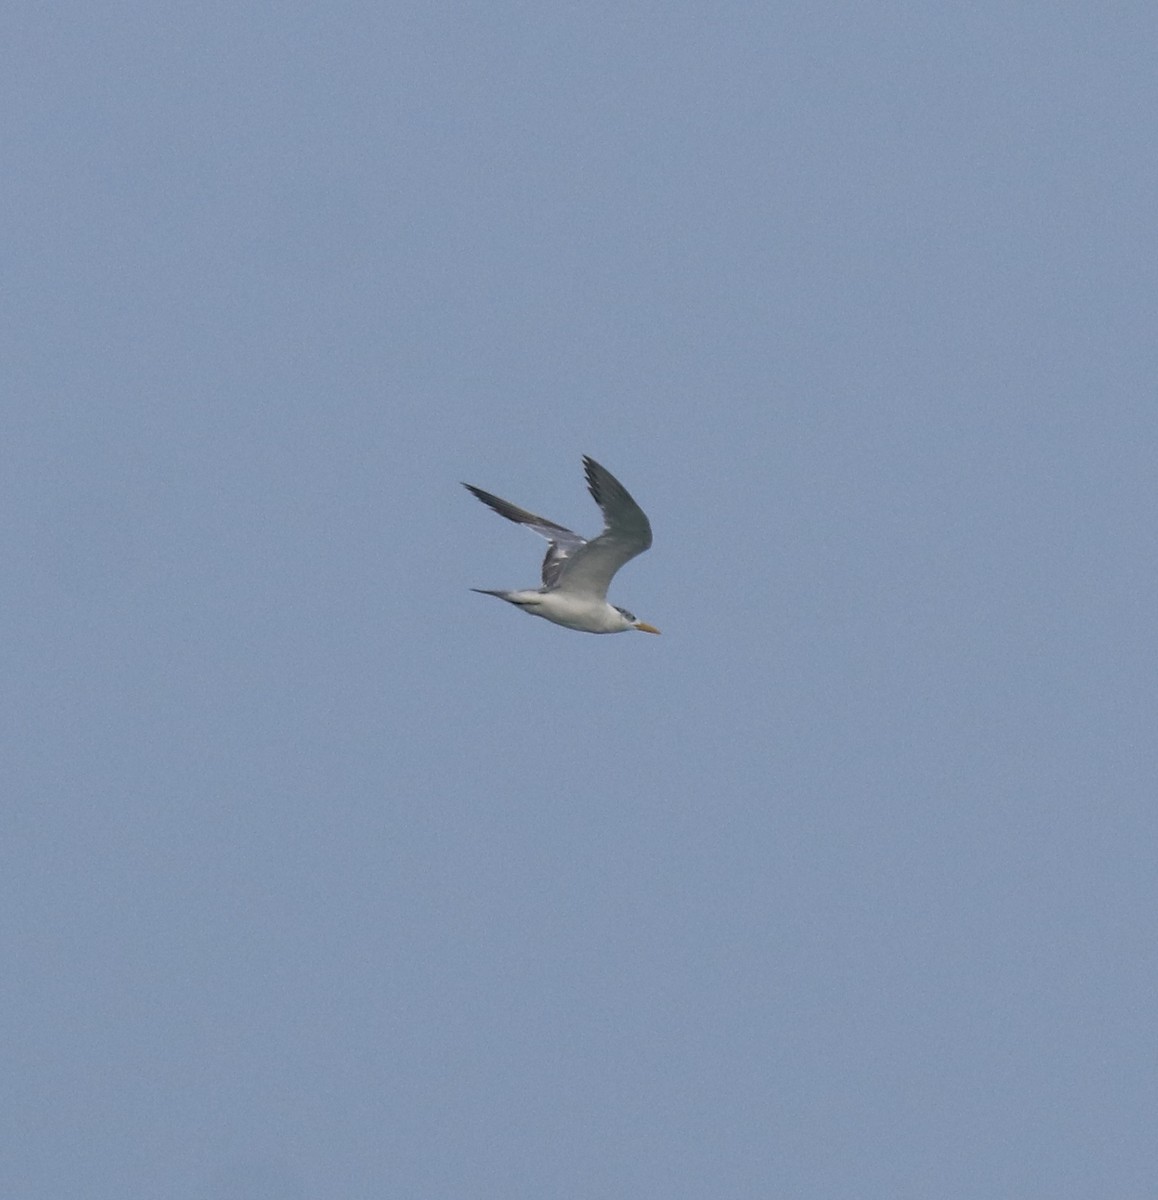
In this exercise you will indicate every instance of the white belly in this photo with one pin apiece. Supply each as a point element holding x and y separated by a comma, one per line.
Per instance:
<point>584,613</point>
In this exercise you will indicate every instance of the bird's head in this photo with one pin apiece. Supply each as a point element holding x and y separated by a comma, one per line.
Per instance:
<point>631,619</point>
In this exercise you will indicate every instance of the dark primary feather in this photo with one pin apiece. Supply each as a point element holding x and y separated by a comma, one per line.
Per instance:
<point>512,512</point>
<point>564,542</point>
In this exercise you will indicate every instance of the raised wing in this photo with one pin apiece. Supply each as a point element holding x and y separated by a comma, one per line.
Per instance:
<point>626,533</point>
<point>564,542</point>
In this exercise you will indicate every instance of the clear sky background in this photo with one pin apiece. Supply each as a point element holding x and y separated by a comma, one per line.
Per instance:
<point>324,878</point>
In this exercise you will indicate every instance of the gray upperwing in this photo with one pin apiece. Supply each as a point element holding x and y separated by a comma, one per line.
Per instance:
<point>622,517</point>
<point>564,542</point>
<point>626,533</point>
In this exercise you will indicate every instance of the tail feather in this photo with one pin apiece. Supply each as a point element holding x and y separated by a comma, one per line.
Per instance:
<point>518,599</point>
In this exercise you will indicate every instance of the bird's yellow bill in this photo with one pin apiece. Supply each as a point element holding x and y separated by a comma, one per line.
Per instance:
<point>643,627</point>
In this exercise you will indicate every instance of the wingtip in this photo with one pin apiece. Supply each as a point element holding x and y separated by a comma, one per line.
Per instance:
<point>591,471</point>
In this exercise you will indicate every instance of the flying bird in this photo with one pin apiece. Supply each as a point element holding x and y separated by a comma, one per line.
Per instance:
<point>576,571</point>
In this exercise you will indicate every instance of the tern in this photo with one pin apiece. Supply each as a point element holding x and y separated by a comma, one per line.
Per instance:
<point>576,572</point>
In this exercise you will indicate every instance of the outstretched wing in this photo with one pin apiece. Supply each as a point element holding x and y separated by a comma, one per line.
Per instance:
<point>564,542</point>
<point>626,533</point>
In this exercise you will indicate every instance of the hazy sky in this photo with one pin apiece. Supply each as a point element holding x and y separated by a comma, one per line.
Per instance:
<point>326,879</point>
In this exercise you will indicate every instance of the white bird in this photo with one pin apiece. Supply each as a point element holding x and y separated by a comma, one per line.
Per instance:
<point>576,572</point>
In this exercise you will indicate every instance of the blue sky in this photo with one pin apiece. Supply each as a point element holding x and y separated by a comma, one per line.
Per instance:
<point>326,878</point>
